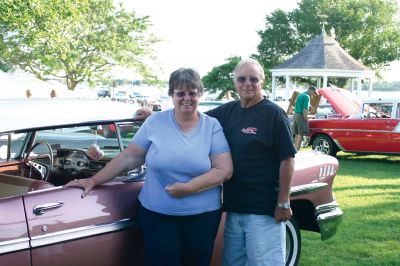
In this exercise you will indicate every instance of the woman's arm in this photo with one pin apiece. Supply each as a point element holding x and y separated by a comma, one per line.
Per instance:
<point>220,171</point>
<point>132,157</point>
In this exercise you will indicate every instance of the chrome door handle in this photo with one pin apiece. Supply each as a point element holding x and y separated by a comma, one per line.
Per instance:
<point>40,208</point>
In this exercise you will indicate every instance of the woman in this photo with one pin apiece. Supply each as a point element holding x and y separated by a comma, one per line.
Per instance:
<point>188,158</point>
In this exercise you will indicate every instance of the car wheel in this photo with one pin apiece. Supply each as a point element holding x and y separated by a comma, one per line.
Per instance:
<point>293,242</point>
<point>325,145</point>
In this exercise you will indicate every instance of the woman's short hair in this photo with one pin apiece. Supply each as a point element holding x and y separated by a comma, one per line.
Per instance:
<point>249,61</point>
<point>187,78</point>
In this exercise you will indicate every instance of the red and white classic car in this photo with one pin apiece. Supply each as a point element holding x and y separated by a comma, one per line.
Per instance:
<point>43,145</point>
<point>371,126</point>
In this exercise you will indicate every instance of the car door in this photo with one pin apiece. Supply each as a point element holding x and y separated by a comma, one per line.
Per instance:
<point>100,229</point>
<point>368,135</point>
<point>395,135</point>
<point>14,241</point>
<point>372,131</point>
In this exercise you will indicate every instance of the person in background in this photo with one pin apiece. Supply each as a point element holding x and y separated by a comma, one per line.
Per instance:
<point>188,158</point>
<point>28,93</point>
<point>256,198</point>
<point>300,118</point>
<point>53,94</point>
<point>228,96</point>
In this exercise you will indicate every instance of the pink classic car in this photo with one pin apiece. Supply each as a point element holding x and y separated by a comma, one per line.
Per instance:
<point>371,126</point>
<point>44,144</point>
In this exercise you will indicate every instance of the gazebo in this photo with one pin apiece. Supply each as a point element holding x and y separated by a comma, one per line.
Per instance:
<point>322,58</point>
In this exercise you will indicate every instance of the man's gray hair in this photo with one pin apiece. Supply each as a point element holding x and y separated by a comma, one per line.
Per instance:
<point>249,61</point>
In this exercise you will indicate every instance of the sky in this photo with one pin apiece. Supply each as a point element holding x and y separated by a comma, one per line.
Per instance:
<point>202,34</point>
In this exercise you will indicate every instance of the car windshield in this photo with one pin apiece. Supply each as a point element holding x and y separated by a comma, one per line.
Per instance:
<point>105,136</point>
<point>378,110</point>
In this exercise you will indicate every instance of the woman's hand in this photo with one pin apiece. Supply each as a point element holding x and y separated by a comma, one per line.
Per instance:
<point>87,184</point>
<point>178,190</point>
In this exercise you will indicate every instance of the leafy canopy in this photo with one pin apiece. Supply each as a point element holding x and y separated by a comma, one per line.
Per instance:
<point>77,40</point>
<point>369,30</point>
<point>219,80</point>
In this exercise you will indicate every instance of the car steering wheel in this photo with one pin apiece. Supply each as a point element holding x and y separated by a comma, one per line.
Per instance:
<point>373,115</point>
<point>43,169</point>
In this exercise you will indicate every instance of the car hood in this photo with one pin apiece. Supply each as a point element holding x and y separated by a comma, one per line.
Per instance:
<point>342,101</point>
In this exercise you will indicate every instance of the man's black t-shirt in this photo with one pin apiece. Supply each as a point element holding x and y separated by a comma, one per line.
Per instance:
<point>260,138</point>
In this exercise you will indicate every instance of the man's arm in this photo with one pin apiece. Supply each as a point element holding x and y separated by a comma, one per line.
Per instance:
<point>142,113</point>
<point>286,171</point>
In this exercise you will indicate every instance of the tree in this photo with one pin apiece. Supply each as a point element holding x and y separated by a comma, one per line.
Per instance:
<point>77,40</point>
<point>219,78</point>
<point>368,30</point>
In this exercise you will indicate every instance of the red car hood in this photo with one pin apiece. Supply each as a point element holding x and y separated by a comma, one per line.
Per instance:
<point>342,101</point>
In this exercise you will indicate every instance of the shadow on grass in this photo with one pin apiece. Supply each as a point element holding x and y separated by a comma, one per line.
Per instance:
<point>368,158</point>
<point>371,188</point>
<point>369,166</point>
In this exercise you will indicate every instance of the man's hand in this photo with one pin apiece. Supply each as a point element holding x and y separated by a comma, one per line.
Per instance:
<point>142,114</point>
<point>282,214</point>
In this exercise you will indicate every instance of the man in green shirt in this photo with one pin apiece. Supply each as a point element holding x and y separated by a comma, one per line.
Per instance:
<point>300,118</point>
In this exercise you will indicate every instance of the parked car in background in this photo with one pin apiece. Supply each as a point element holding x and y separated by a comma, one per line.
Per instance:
<point>45,143</point>
<point>102,93</point>
<point>121,96</point>
<point>325,110</point>
<point>204,106</point>
<point>369,127</point>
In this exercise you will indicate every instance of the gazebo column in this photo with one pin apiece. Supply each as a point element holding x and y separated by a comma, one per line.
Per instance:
<point>352,85</point>
<point>273,87</point>
<point>370,88</point>
<point>325,82</point>
<point>287,88</point>
<point>318,83</point>
<point>359,87</point>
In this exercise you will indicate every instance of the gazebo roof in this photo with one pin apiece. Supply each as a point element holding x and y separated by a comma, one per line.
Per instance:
<point>321,53</point>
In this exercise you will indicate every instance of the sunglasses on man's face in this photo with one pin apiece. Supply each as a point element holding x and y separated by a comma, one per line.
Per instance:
<point>252,79</point>
<point>192,94</point>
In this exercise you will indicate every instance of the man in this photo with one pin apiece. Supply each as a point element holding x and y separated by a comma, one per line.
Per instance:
<point>300,118</point>
<point>256,198</point>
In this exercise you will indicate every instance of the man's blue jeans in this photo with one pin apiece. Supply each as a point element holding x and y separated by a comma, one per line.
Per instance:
<point>251,239</point>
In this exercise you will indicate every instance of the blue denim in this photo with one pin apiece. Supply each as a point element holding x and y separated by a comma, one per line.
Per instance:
<point>178,240</point>
<point>251,239</point>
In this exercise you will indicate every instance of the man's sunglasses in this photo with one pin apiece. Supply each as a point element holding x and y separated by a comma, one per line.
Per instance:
<point>192,94</point>
<point>252,79</point>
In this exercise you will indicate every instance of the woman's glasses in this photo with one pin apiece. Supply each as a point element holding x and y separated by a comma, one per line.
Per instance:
<point>192,94</point>
<point>252,79</point>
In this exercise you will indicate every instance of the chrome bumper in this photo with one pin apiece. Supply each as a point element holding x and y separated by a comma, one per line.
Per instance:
<point>329,216</point>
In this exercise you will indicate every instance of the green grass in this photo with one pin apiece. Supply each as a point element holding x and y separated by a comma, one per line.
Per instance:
<point>367,189</point>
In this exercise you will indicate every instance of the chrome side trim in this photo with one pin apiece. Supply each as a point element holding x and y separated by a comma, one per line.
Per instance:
<point>14,245</point>
<point>329,217</point>
<point>86,231</point>
<point>307,188</point>
<point>349,130</point>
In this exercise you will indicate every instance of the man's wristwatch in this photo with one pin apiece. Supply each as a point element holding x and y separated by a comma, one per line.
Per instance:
<point>285,205</point>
